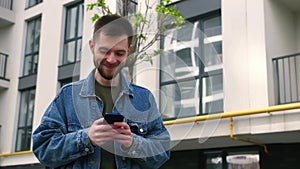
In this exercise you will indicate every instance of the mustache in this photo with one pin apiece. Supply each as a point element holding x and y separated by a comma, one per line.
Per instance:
<point>103,62</point>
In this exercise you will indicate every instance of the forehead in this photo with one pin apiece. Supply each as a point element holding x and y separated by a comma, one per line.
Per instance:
<point>110,41</point>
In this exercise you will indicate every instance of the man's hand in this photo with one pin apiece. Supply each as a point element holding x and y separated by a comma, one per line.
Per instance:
<point>124,135</point>
<point>100,133</point>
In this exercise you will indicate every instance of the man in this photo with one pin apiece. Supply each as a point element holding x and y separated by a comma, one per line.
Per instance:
<point>73,132</point>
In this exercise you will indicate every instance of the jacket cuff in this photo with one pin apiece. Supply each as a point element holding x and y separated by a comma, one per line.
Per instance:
<point>83,142</point>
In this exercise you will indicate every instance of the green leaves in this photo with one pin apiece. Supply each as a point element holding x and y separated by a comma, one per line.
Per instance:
<point>101,5</point>
<point>177,16</point>
<point>138,19</point>
<point>95,17</point>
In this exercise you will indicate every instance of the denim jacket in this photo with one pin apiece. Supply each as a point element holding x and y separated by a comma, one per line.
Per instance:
<point>61,139</point>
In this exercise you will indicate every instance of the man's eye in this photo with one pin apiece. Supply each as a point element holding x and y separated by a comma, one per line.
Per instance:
<point>103,52</point>
<point>120,53</point>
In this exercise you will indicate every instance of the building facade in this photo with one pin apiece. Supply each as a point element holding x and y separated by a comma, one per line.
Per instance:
<point>232,57</point>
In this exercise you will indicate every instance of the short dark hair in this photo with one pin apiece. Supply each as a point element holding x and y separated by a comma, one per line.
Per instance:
<point>113,25</point>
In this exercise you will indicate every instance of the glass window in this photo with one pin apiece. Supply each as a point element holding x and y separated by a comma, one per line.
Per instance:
<point>3,63</point>
<point>212,26</point>
<point>30,3</point>
<point>191,67</point>
<point>32,47</point>
<point>68,80</point>
<point>213,160</point>
<point>239,161</point>
<point>130,10</point>
<point>73,34</point>
<point>24,129</point>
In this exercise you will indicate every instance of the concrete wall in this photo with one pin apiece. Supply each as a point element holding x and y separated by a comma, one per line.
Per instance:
<point>281,37</point>
<point>280,29</point>
<point>298,31</point>
<point>244,55</point>
<point>13,46</point>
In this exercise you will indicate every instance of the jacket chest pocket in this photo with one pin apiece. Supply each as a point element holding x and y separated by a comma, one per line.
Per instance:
<point>138,128</point>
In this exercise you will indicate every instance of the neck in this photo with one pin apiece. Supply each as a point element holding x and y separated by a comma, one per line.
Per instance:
<point>113,82</point>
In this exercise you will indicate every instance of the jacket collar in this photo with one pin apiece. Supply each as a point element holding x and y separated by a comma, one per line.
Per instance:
<point>88,86</point>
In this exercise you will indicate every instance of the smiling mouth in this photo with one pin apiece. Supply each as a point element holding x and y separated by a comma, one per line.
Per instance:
<point>110,67</point>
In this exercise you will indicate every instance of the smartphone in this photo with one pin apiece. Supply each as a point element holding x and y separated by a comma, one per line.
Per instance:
<point>111,117</point>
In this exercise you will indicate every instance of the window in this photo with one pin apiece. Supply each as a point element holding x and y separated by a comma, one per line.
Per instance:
<point>225,158</point>
<point>24,129</point>
<point>129,10</point>
<point>191,69</point>
<point>73,34</point>
<point>3,64</point>
<point>68,80</point>
<point>30,3</point>
<point>32,47</point>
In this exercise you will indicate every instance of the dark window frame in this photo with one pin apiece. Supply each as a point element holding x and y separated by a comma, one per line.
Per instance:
<point>122,11</point>
<point>77,38</point>
<point>31,3</point>
<point>27,127</point>
<point>33,67</point>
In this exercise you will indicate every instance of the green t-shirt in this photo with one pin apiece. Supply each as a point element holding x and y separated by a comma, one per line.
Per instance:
<point>108,95</point>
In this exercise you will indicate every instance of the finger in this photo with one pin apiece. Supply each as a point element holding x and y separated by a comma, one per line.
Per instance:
<point>121,125</point>
<point>104,137</point>
<point>123,131</point>
<point>99,121</point>
<point>125,140</point>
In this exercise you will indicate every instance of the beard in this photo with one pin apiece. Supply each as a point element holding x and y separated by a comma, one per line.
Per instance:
<point>109,74</point>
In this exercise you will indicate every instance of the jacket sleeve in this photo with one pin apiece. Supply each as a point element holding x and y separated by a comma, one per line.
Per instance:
<point>151,148</point>
<point>53,144</point>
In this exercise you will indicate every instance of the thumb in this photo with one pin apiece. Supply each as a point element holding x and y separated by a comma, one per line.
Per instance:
<point>99,121</point>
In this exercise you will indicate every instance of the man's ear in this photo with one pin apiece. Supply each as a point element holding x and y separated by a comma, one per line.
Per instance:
<point>130,48</point>
<point>91,44</point>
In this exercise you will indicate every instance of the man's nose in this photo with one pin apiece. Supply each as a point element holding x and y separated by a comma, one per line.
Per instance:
<point>111,58</point>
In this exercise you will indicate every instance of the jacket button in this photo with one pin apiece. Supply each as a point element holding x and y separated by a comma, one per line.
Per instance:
<point>86,149</point>
<point>141,130</point>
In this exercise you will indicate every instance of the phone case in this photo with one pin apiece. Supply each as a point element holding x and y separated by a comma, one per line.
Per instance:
<point>112,117</point>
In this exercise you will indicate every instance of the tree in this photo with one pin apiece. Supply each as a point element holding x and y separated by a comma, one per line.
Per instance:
<point>143,22</point>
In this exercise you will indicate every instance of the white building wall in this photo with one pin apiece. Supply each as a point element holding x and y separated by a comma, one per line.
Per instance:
<point>13,46</point>
<point>244,54</point>
<point>51,40</point>
<point>280,29</point>
<point>281,36</point>
<point>298,31</point>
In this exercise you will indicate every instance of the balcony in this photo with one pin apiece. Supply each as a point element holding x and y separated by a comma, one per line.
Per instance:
<point>4,82</point>
<point>287,78</point>
<point>7,16</point>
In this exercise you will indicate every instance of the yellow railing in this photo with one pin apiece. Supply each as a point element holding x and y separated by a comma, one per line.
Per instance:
<point>210,117</point>
<point>235,114</point>
<point>16,153</point>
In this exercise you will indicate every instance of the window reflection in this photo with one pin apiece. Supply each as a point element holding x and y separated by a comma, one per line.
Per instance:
<point>191,66</point>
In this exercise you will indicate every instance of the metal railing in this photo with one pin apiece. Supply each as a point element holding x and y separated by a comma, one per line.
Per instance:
<point>271,109</point>
<point>3,63</point>
<point>287,78</point>
<point>6,4</point>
